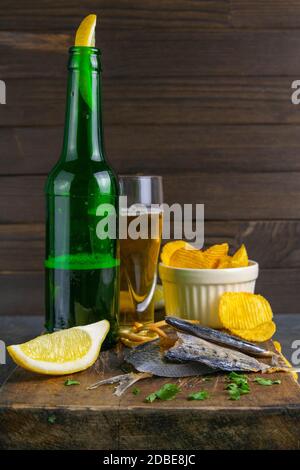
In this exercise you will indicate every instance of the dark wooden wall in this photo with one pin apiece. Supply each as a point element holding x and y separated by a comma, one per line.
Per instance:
<point>197,90</point>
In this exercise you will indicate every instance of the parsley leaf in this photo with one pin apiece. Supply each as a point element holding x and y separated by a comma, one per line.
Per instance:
<point>71,382</point>
<point>239,379</point>
<point>166,392</point>
<point>243,388</point>
<point>234,392</point>
<point>238,386</point>
<point>266,382</point>
<point>51,419</point>
<point>136,391</point>
<point>201,395</point>
<point>150,398</point>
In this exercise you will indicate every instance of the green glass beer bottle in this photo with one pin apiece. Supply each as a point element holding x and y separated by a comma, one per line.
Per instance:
<point>82,268</point>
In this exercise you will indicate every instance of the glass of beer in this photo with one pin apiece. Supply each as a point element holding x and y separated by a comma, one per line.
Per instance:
<point>140,238</point>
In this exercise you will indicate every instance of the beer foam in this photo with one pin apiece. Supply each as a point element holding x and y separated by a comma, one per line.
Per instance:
<point>140,209</point>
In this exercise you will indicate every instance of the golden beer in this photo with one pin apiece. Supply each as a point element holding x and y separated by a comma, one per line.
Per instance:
<point>139,257</point>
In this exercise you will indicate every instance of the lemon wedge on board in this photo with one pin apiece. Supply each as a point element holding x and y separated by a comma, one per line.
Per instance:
<point>62,352</point>
<point>85,34</point>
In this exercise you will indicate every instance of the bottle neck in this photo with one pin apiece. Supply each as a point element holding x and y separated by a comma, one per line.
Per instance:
<point>83,135</point>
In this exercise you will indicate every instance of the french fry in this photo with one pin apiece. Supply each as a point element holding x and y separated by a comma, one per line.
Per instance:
<point>137,327</point>
<point>157,330</point>
<point>160,323</point>
<point>130,344</point>
<point>136,338</point>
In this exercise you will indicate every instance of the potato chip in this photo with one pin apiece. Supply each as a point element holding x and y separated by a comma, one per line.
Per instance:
<point>260,333</point>
<point>181,254</point>
<point>197,259</point>
<point>190,259</point>
<point>240,258</point>
<point>170,248</point>
<point>243,310</point>
<point>224,262</point>
<point>215,253</point>
<point>218,250</point>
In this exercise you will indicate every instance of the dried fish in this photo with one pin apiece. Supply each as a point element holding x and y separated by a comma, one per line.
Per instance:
<point>191,348</point>
<point>148,357</point>
<point>124,380</point>
<point>218,337</point>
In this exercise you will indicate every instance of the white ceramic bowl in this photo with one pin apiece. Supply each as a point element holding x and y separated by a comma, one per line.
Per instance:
<point>194,293</point>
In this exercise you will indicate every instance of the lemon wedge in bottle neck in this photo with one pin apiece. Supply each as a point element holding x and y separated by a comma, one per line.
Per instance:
<point>85,34</point>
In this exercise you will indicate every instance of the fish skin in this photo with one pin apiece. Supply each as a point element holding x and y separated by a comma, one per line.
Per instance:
<point>191,348</point>
<point>148,358</point>
<point>218,337</point>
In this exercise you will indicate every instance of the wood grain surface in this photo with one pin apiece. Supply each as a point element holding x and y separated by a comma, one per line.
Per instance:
<point>165,100</point>
<point>171,149</point>
<point>259,420</point>
<point>198,91</point>
<point>234,196</point>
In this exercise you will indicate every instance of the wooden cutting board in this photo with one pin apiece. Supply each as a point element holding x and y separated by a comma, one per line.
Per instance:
<point>39,412</point>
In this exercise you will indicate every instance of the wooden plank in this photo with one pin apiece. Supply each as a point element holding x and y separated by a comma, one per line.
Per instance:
<point>22,247</point>
<point>159,14</point>
<point>279,14</point>
<point>227,196</point>
<point>237,196</point>
<point>259,420</point>
<point>157,101</point>
<point>239,430</point>
<point>132,14</point>
<point>144,53</point>
<point>122,429</point>
<point>281,287</point>
<point>274,244</point>
<point>104,425</point>
<point>22,293</point>
<point>34,102</point>
<point>165,149</point>
<point>29,150</point>
<point>22,200</point>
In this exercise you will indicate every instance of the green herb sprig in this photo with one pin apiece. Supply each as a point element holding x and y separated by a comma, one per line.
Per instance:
<point>71,382</point>
<point>266,382</point>
<point>166,392</point>
<point>238,386</point>
<point>201,395</point>
<point>51,419</point>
